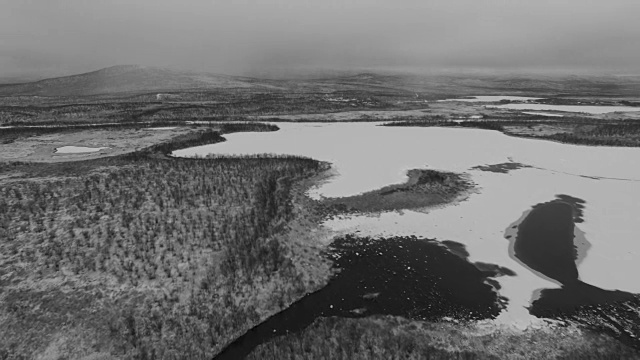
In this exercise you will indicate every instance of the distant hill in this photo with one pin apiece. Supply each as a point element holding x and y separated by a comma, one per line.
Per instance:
<point>499,84</point>
<point>138,79</point>
<point>19,79</point>
<point>126,78</point>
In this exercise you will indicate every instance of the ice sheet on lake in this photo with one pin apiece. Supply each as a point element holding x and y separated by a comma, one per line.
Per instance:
<point>590,109</point>
<point>493,98</point>
<point>368,157</point>
<point>542,113</point>
<point>77,149</point>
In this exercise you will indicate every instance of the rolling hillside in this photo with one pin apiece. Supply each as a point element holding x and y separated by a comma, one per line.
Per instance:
<point>126,78</point>
<point>137,79</point>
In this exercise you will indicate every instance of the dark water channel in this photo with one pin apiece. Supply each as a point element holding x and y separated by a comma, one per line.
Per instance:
<point>547,244</point>
<point>406,276</point>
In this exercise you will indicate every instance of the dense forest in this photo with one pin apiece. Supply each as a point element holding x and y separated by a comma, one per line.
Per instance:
<point>153,258</point>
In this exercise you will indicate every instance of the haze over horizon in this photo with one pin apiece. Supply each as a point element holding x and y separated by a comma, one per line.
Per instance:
<point>43,38</point>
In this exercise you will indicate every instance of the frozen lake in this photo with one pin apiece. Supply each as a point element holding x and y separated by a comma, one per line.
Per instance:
<point>590,109</point>
<point>77,149</point>
<point>542,114</point>
<point>368,157</point>
<point>491,98</point>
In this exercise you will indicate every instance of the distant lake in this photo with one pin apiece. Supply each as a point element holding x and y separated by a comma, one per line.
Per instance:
<point>591,109</point>
<point>367,157</point>
<point>491,98</point>
<point>77,149</point>
<point>542,114</point>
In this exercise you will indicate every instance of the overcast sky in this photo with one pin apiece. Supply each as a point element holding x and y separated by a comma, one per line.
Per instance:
<point>235,36</point>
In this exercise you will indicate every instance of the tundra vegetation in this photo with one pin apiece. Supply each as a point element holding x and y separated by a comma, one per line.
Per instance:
<point>190,106</point>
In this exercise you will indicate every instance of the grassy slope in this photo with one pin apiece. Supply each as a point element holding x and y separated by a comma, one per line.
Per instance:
<point>124,78</point>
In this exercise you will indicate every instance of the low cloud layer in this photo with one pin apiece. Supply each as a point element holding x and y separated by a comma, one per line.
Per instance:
<point>70,36</point>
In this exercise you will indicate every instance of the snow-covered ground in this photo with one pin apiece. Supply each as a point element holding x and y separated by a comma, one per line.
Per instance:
<point>368,157</point>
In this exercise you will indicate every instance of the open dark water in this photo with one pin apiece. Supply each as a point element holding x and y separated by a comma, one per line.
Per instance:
<point>406,276</point>
<point>546,243</point>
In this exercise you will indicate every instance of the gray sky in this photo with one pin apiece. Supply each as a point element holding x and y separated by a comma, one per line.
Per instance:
<point>235,36</point>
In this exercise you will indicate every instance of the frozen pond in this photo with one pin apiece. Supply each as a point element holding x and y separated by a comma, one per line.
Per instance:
<point>542,114</point>
<point>77,149</point>
<point>368,157</point>
<point>492,98</point>
<point>590,109</point>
